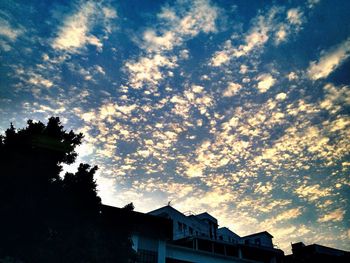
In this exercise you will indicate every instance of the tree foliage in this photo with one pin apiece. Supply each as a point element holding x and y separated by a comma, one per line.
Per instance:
<point>46,218</point>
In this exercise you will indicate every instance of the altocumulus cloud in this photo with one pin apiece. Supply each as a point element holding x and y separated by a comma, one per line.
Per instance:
<point>75,32</point>
<point>232,109</point>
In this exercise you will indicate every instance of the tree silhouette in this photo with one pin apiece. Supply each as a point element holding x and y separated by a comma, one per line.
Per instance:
<point>45,218</point>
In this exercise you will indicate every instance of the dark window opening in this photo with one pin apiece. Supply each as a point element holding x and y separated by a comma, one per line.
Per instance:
<point>257,241</point>
<point>147,256</point>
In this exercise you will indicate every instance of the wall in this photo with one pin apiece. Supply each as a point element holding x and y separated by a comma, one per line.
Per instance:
<point>199,227</point>
<point>265,240</point>
<point>185,254</point>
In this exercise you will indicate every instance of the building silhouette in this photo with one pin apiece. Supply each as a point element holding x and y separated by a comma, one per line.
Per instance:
<point>166,235</point>
<point>198,238</point>
<point>316,253</point>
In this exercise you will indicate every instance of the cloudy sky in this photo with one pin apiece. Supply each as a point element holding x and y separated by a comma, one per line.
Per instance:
<point>238,108</point>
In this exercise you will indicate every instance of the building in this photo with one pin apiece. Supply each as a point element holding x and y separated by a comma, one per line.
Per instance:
<point>166,235</point>
<point>149,233</point>
<point>198,238</point>
<point>316,253</point>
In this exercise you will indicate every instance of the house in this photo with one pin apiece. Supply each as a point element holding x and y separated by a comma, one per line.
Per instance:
<point>259,239</point>
<point>197,238</point>
<point>225,234</point>
<point>149,233</point>
<point>166,235</point>
<point>316,253</point>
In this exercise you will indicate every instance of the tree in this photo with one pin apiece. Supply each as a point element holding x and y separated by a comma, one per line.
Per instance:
<point>46,218</point>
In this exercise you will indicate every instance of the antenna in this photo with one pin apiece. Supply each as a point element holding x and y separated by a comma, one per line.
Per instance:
<point>169,203</point>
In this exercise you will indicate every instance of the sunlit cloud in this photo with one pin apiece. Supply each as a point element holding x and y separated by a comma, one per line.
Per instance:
<point>273,24</point>
<point>312,192</point>
<point>232,89</point>
<point>75,32</point>
<point>178,25</point>
<point>198,103</point>
<point>8,31</point>
<point>38,80</point>
<point>336,215</point>
<point>149,69</point>
<point>265,82</point>
<point>329,61</point>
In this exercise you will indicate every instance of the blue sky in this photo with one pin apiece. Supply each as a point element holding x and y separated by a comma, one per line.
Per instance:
<point>238,108</point>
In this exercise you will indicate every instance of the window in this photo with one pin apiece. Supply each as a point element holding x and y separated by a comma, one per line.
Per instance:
<point>191,230</point>
<point>257,241</point>
<point>147,256</point>
<point>179,226</point>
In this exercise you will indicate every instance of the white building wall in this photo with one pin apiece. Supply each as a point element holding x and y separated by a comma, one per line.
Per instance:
<point>199,227</point>
<point>197,256</point>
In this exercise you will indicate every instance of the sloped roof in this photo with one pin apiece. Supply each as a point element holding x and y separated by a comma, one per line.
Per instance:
<point>259,234</point>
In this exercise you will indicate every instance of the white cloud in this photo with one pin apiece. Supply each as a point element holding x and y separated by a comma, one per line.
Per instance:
<point>148,70</point>
<point>179,23</point>
<point>220,57</point>
<point>281,96</point>
<point>75,34</point>
<point>256,37</point>
<point>281,34</point>
<point>164,42</point>
<point>312,3</point>
<point>329,61</point>
<point>109,12</point>
<point>275,23</point>
<point>40,81</point>
<point>8,31</point>
<point>291,24</point>
<point>243,69</point>
<point>312,192</point>
<point>8,34</point>
<point>294,16</point>
<point>184,54</point>
<point>336,215</point>
<point>232,89</point>
<point>266,81</point>
<point>292,76</point>
<point>335,98</point>
<point>100,70</point>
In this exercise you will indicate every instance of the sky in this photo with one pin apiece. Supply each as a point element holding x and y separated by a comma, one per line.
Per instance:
<point>237,108</point>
